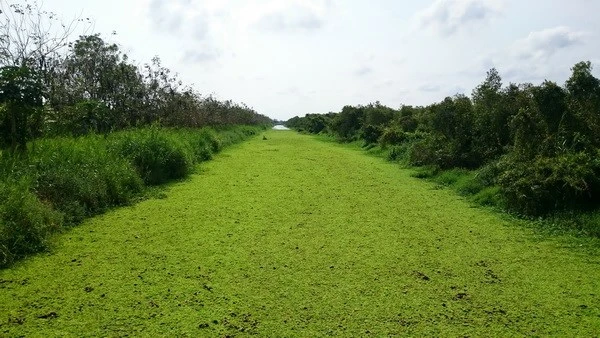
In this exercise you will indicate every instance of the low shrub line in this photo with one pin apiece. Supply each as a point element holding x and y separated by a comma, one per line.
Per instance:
<point>481,187</point>
<point>62,181</point>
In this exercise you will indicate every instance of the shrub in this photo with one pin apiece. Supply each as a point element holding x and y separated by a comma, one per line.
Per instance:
<point>80,177</point>
<point>371,134</point>
<point>231,136</point>
<point>469,185</point>
<point>546,184</point>
<point>214,141</point>
<point>25,222</point>
<point>490,196</point>
<point>62,181</point>
<point>392,136</point>
<point>396,153</point>
<point>157,155</point>
<point>450,177</point>
<point>430,151</point>
<point>426,171</point>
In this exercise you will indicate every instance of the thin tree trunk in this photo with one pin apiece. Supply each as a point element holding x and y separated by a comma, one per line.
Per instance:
<point>13,129</point>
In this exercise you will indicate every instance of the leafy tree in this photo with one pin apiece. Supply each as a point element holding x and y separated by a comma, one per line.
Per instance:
<point>407,118</point>
<point>584,101</point>
<point>492,113</point>
<point>21,106</point>
<point>551,101</point>
<point>348,122</point>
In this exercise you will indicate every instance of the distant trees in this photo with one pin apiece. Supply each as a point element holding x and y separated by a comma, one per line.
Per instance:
<point>540,144</point>
<point>311,123</point>
<point>51,85</point>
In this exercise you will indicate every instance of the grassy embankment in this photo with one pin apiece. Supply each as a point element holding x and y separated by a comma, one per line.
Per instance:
<point>291,236</point>
<point>478,186</point>
<point>60,182</point>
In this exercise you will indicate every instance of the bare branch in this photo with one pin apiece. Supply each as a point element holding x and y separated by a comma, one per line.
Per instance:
<point>29,35</point>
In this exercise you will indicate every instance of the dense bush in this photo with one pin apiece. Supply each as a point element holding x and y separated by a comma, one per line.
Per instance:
<point>546,184</point>
<point>81,177</point>
<point>392,135</point>
<point>63,180</point>
<point>311,123</point>
<point>72,87</point>
<point>25,221</point>
<point>158,156</point>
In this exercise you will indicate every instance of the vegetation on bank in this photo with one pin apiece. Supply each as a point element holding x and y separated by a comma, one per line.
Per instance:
<point>83,128</point>
<point>532,149</point>
<point>63,181</point>
<point>294,237</point>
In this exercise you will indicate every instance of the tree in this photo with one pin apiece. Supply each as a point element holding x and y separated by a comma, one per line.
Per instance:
<point>551,101</point>
<point>348,122</point>
<point>21,104</point>
<point>30,40</point>
<point>584,100</point>
<point>31,36</point>
<point>492,115</point>
<point>98,73</point>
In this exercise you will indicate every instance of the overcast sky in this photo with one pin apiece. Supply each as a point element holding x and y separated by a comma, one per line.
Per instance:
<point>292,57</point>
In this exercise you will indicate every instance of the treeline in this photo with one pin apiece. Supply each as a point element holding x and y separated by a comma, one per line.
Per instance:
<point>52,86</point>
<point>535,146</point>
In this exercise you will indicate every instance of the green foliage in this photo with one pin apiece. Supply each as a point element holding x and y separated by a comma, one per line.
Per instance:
<point>584,223</point>
<point>20,106</point>
<point>81,177</point>
<point>490,196</point>
<point>545,184</point>
<point>63,181</point>
<point>392,136</point>
<point>97,89</point>
<point>426,171</point>
<point>371,134</point>
<point>84,117</point>
<point>347,123</point>
<point>451,177</point>
<point>25,222</point>
<point>157,155</point>
<point>311,123</point>
<point>533,147</point>
<point>438,151</point>
<point>396,153</point>
<point>274,242</point>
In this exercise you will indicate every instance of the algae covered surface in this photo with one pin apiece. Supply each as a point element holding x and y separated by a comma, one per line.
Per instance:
<point>286,235</point>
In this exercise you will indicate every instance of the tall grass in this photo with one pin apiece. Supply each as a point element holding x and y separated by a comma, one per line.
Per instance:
<point>62,181</point>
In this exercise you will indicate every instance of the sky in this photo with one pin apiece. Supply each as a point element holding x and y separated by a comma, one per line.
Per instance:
<point>292,57</point>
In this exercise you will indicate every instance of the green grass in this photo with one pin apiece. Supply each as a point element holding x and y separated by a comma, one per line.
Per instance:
<point>292,236</point>
<point>62,181</point>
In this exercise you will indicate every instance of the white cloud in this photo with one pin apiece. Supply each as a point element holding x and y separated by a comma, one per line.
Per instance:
<point>363,71</point>
<point>290,15</point>
<point>432,88</point>
<point>195,56</point>
<point>290,19</point>
<point>164,17</point>
<point>447,17</point>
<point>179,17</point>
<point>541,45</point>
<point>540,55</point>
